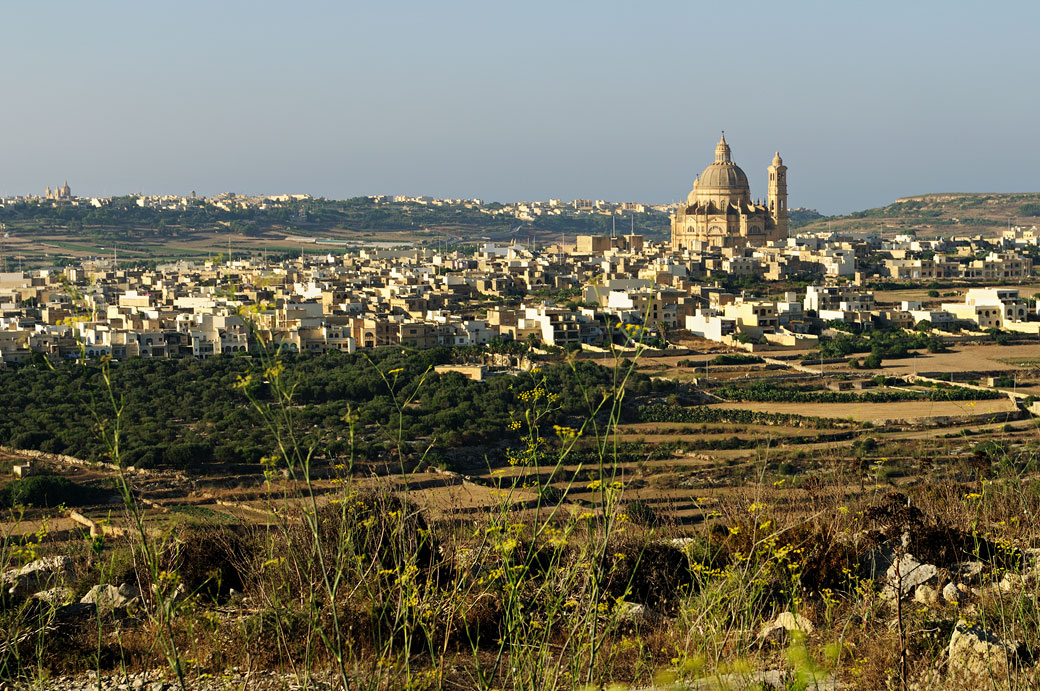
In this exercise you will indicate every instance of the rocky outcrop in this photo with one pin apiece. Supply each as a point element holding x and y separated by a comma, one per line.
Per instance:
<point>110,599</point>
<point>897,570</point>
<point>38,575</point>
<point>636,614</point>
<point>977,656</point>
<point>778,632</point>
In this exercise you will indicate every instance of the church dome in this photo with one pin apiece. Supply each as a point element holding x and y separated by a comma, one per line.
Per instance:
<point>723,176</point>
<point>722,182</point>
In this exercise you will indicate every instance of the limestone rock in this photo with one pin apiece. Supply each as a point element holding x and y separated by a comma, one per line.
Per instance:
<point>895,568</point>
<point>108,598</point>
<point>969,571</point>
<point>792,621</point>
<point>636,614</point>
<point>1011,582</point>
<point>926,595</point>
<point>777,632</point>
<point>951,593</point>
<point>58,595</point>
<point>977,655</point>
<point>905,574</point>
<point>38,575</point>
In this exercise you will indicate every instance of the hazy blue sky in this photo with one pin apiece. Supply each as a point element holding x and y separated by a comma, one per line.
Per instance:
<point>866,101</point>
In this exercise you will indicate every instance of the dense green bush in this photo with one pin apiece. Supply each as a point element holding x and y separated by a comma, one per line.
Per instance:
<point>47,491</point>
<point>660,412</point>
<point>887,343</point>
<point>735,359</point>
<point>188,413</point>
<point>769,392</point>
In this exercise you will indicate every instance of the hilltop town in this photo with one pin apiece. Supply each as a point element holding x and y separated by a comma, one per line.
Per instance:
<point>732,271</point>
<point>584,293</point>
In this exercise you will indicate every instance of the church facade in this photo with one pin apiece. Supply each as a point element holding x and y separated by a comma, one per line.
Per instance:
<point>62,193</point>
<point>719,211</point>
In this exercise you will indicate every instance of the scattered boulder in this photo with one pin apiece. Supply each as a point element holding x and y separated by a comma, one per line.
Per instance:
<point>683,544</point>
<point>969,571</point>
<point>792,621</point>
<point>108,598</point>
<point>38,575</point>
<point>926,595</point>
<point>905,574</point>
<point>895,568</point>
<point>977,655</point>
<point>951,593</point>
<point>1012,582</point>
<point>778,632</point>
<point>636,614</point>
<point>877,561</point>
<point>56,596</point>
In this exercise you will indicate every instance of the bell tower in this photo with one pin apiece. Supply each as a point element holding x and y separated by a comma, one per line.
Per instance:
<point>778,196</point>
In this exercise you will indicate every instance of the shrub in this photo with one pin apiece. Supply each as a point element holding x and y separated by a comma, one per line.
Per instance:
<point>702,414</point>
<point>735,359</point>
<point>641,513</point>
<point>767,392</point>
<point>550,494</point>
<point>989,449</point>
<point>49,490</point>
<point>865,445</point>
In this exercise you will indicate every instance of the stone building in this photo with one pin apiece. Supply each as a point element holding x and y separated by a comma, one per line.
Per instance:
<point>61,193</point>
<point>719,211</point>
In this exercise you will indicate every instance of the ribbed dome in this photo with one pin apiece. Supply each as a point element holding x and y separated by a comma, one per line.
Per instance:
<point>723,182</point>
<point>723,176</point>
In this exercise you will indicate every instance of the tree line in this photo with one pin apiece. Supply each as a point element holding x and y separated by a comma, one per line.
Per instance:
<point>187,413</point>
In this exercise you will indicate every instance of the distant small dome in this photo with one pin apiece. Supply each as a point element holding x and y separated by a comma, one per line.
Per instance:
<point>777,161</point>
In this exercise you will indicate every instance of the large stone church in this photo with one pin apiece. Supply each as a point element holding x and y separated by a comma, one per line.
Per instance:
<point>719,211</point>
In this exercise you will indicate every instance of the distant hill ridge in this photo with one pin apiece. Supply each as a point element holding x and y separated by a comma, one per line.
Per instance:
<point>986,214</point>
<point>952,196</point>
